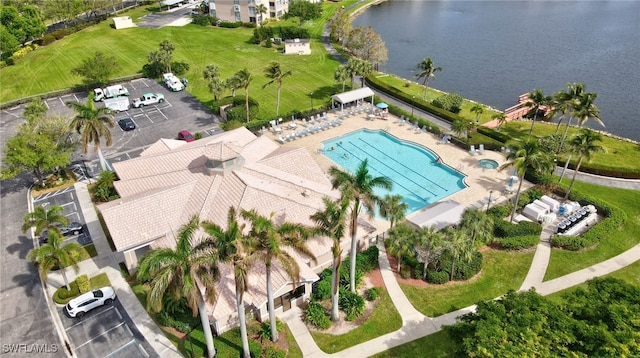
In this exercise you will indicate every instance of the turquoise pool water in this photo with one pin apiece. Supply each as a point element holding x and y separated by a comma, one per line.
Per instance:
<point>415,171</point>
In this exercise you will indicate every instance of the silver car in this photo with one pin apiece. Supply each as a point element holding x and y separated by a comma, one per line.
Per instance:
<point>84,303</point>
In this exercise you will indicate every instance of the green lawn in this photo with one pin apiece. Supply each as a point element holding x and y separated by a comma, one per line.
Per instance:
<point>501,271</point>
<point>563,262</point>
<point>437,345</point>
<point>619,153</point>
<point>48,68</point>
<point>384,319</point>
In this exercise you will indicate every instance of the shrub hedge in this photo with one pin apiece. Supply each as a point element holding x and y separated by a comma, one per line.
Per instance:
<point>437,277</point>
<point>505,229</point>
<point>62,296</point>
<point>614,219</point>
<point>84,285</point>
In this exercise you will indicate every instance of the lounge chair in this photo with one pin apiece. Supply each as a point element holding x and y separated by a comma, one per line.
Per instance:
<point>473,150</point>
<point>481,149</point>
<point>281,140</point>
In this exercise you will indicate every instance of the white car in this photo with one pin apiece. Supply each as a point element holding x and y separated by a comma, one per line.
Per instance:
<point>84,303</point>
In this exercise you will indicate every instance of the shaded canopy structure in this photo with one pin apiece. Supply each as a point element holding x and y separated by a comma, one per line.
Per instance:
<point>352,96</point>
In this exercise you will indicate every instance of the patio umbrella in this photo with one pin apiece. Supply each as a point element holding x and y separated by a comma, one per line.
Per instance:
<point>382,105</point>
<point>513,179</point>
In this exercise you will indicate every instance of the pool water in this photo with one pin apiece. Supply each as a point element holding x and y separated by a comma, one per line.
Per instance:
<point>488,163</point>
<point>415,171</point>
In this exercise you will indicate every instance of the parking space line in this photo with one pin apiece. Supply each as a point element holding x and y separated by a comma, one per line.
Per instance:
<point>144,351</point>
<point>103,333</point>
<point>53,193</point>
<point>11,114</point>
<point>133,341</point>
<point>146,115</point>
<point>165,117</point>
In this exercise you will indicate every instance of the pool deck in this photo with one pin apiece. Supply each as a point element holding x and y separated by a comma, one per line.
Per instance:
<point>480,181</point>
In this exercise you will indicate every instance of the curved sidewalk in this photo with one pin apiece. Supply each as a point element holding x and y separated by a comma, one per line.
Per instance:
<point>415,325</point>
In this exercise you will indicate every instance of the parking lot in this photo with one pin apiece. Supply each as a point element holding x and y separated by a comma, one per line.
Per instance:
<point>179,111</point>
<point>67,199</point>
<point>105,331</point>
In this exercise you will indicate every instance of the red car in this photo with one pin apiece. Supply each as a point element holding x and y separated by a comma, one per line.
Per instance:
<point>186,136</point>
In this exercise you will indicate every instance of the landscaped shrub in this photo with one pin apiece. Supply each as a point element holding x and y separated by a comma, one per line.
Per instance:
<point>351,304</point>
<point>450,101</point>
<point>322,289</point>
<point>464,269</point>
<point>316,315</point>
<point>437,277</point>
<point>84,285</point>
<point>368,259</point>
<point>47,39</point>
<point>179,68</point>
<point>265,329</point>
<point>517,242</point>
<point>62,295</point>
<point>273,352</point>
<point>405,272</point>
<point>165,319</point>
<point>202,20</point>
<point>345,276</point>
<point>230,25</point>
<point>498,212</point>
<point>239,113</point>
<point>503,229</point>
<point>373,293</point>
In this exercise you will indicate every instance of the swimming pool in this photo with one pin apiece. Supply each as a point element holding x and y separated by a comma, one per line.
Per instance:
<point>416,172</point>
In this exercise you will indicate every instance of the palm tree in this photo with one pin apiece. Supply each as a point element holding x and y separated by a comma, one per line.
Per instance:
<point>42,219</point>
<point>53,254</point>
<point>185,272</point>
<point>365,68</point>
<point>393,208</point>
<point>477,224</point>
<point>233,83</point>
<point>569,103</point>
<point>585,145</point>
<point>536,100</point>
<point>274,72</point>
<point>429,243</point>
<point>234,248</point>
<point>244,80</point>
<point>460,247</point>
<point>402,240</point>
<point>92,124</point>
<point>341,75</point>
<point>501,118</point>
<point>523,156</point>
<point>332,222</point>
<point>427,70</point>
<point>586,109</point>
<point>460,127</point>
<point>352,68</point>
<point>271,239</point>
<point>358,190</point>
<point>210,72</point>
<point>261,9</point>
<point>478,109</point>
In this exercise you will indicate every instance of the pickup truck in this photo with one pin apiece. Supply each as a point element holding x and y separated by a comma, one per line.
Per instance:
<point>172,82</point>
<point>115,91</point>
<point>148,99</point>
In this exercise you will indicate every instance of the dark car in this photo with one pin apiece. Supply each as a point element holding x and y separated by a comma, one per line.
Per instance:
<point>74,228</point>
<point>127,124</point>
<point>186,136</point>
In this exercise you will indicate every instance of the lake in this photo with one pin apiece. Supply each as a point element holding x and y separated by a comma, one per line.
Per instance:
<point>493,51</point>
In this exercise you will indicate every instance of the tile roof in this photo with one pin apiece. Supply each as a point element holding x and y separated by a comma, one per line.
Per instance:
<point>170,182</point>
